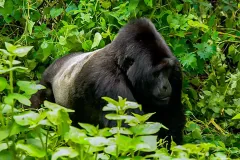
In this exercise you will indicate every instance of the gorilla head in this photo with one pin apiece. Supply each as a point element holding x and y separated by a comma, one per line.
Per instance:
<point>137,65</point>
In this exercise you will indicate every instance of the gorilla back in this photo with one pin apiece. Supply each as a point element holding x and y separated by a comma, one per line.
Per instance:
<point>137,65</point>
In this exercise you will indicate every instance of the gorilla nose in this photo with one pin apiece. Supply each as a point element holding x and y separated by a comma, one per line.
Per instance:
<point>165,88</point>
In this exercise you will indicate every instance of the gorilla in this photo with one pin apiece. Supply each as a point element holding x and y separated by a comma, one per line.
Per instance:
<point>137,65</point>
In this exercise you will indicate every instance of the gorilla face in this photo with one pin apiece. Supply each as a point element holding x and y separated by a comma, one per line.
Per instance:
<point>161,88</point>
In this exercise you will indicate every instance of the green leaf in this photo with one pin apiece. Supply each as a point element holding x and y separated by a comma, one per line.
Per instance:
<point>64,152</point>
<point>22,51</point>
<point>30,25</point>
<point>21,98</point>
<point>97,39</point>
<point>204,51</point>
<point>31,150</point>
<point>54,12</point>
<point>111,149</point>
<point>110,107</point>
<point>179,7</point>
<point>148,128</point>
<point>10,47</point>
<point>3,146</point>
<point>131,105</point>
<point>189,60</point>
<point>62,40</point>
<point>4,133</point>
<point>5,52</point>
<point>110,100</point>
<point>86,45</point>
<point>56,107</point>
<point>29,87</point>
<point>76,135</point>
<point>26,118</point>
<point>105,4</point>
<point>237,116</point>
<point>143,118</point>
<point>151,141</point>
<point>196,134</point>
<point>92,130</point>
<point>3,83</point>
<point>148,3</point>
<point>11,69</point>
<point>14,62</point>
<point>133,5</point>
<point>98,141</point>
<point>2,2</point>
<point>113,116</point>
<point>229,111</point>
<point>121,130</point>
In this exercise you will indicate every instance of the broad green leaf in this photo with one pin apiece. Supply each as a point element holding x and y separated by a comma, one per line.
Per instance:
<point>3,83</point>
<point>179,7</point>
<point>26,118</point>
<point>29,87</point>
<point>12,69</point>
<point>62,40</point>
<point>2,3</point>
<point>189,60</point>
<point>148,128</point>
<point>103,156</point>
<point>97,39</point>
<point>10,47</point>
<point>150,141</point>
<point>92,130</point>
<point>230,111</point>
<point>148,3</point>
<point>56,12</point>
<point>196,134</point>
<point>86,45</point>
<point>103,23</point>
<point>31,150</point>
<point>133,5</point>
<point>21,98</point>
<point>3,146</point>
<point>5,52</point>
<point>121,130</point>
<point>123,142</point>
<point>7,109</point>
<point>14,62</point>
<point>56,107</point>
<point>143,118</point>
<point>64,152</point>
<point>98,141</point>
<point>30,25</point>
<point>105,132</point>
<point>105,4</point>
<point>110,100</point>
<point>110,107</point>
<point>131,105</point>
<point>111,149</point>
<point>237,116</point>
<point>76,135</point>
<point>113,116</point>
<point>22,51</point>
<point>4,133</point>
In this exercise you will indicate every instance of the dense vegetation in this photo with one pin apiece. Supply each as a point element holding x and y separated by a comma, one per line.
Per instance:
<point>204,35</point>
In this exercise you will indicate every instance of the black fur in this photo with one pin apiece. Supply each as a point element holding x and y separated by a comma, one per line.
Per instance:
<point>137,65</point>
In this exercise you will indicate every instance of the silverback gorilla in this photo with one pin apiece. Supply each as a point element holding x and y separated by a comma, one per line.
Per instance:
<point>137,65</point>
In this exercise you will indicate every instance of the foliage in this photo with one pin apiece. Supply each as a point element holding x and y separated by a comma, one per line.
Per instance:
<point>204,35</point>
